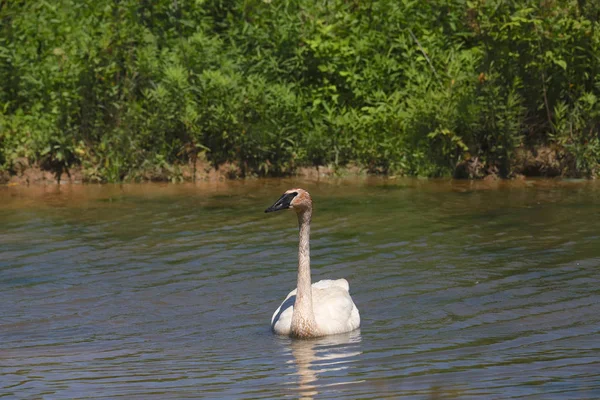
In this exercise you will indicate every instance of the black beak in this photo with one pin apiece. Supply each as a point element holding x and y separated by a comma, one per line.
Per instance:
<point>283,203</point>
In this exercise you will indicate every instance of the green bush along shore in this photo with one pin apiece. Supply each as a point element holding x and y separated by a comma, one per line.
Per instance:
<point>128,89</point>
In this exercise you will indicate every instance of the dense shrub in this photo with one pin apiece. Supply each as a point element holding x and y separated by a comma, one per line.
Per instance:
<point>123,87</point>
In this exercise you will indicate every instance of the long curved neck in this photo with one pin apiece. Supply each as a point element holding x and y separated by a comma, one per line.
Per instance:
<point>303,319</point>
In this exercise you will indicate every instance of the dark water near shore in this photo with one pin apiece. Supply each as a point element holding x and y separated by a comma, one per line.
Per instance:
<point>466,290</point>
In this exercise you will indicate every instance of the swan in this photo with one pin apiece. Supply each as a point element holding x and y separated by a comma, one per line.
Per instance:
<point>323,308</point>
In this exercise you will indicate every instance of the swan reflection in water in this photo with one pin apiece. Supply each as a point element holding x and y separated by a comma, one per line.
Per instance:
<point>328,354</point>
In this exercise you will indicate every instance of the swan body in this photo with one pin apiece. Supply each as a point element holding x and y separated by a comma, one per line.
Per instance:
<point>312,310</point>
<point>334,310</point>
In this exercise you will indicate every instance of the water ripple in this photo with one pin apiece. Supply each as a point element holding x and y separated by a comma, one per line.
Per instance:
<point>157,292</point>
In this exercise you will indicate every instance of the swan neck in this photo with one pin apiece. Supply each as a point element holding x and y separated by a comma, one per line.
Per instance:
<point>304,280</point>
<point>303,319</point>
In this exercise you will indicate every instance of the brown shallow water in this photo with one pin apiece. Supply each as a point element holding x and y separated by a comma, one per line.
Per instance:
<point>466,290</point>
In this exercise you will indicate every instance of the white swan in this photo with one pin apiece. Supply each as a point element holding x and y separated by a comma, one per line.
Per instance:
<point>324,308</point>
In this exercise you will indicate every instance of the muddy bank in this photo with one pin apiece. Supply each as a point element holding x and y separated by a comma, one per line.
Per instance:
<point>542,162</point>
<point>24,173</point>
<point>545,162</point>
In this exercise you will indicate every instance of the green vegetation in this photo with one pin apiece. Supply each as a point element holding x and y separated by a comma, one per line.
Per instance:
<point>119,88</point>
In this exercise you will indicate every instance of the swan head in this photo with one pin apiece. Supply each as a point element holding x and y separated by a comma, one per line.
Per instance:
<point>296,199</point>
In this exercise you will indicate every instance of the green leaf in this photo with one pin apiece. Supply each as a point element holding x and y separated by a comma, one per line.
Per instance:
<point>561,63</point>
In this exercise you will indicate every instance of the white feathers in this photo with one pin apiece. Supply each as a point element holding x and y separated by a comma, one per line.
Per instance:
<point>333,309</point>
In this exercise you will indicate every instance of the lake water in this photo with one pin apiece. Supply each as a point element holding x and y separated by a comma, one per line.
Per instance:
<point>466,290</point>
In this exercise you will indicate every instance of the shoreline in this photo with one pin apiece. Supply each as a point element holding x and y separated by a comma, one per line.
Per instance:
<point>543,162</point>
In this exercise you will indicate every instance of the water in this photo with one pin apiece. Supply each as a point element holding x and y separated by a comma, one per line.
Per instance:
<point>466,290</point>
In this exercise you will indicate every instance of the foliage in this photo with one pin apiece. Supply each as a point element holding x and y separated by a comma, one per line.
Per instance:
<point>126,89</point>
